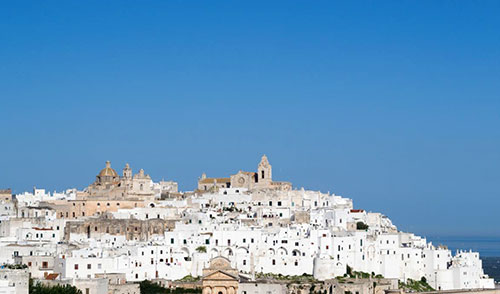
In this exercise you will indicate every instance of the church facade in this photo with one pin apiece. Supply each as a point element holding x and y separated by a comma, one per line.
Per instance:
<point>260,180</point>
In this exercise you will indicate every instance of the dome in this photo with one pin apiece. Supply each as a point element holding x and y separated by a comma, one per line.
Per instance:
<point>108,171</point>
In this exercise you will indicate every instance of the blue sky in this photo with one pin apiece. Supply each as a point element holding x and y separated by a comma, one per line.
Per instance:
<point>395,104</point>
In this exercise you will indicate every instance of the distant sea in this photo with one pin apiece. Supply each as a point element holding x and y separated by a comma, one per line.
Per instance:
<point>488,248</point>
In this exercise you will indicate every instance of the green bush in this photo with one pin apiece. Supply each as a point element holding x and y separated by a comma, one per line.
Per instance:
<point>361,226</point>
<point>39,288</point>
<point>148,287</point>
<point>201,249</point>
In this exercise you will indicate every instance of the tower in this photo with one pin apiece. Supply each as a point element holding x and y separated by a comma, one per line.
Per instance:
<point>265,171</point>
<point>127,172</point>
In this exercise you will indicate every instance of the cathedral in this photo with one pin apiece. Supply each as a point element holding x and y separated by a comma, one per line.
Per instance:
<point>262,179</point>
<point>110,185</point>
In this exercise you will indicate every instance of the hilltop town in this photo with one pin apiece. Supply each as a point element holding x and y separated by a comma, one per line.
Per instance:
<point>241,233</point>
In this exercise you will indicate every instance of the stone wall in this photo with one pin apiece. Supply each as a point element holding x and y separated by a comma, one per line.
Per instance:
<point>132,229</point>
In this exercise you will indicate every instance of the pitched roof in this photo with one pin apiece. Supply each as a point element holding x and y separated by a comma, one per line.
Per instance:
<point>217,180</point>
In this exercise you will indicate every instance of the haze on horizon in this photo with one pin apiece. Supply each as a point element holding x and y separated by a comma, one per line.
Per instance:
<point>395,104</point>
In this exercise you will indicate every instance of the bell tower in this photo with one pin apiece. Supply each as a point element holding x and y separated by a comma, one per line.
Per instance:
<point>265,171</point>
<point>127,172</point>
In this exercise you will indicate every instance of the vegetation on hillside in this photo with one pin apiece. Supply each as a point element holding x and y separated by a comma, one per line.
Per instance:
<point>304,278</point>
<point>415,286</point>
<point>360,275</point>
<point>39,288</point>
<point>148,287</point>
<point>189,279</point>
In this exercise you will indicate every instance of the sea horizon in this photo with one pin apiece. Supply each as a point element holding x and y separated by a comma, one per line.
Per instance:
<point>487,246</point>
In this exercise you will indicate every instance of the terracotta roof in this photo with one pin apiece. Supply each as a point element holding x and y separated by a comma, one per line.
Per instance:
<point>217,180</point>
<point>357,210</point>
<point>51,276</point>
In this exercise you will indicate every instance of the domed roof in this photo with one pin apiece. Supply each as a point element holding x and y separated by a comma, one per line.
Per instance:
<point>108,171</point>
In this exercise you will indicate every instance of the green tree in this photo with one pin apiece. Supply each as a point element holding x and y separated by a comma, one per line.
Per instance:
<point>39,288</point>
<point>361,226</point>
<point>201,249</point>
<point>349,271</point>
<point>147,287</point>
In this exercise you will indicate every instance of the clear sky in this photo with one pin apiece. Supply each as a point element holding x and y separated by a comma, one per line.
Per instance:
<point>395,104</point>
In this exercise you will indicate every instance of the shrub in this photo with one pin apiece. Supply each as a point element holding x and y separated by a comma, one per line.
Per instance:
<point>361,226</point>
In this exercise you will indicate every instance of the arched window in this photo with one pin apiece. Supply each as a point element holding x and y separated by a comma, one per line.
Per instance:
<point>262,174</point>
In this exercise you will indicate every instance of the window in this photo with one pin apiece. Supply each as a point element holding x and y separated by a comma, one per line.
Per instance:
<point>76,266</point>
<point>244,240</point>
<point>274,261</point>
<point>171,240</point>
<point>270,203</point>
<point>89,266</point>
<point>244,262</point>
<point>279,203</point>
<point>87,291</point>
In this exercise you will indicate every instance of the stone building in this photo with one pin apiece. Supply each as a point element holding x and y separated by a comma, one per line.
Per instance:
<point>6,194</point>
<point>220,277</point>
<point>132,229</point>
<point>14,281</point>
<point>110,185</point>
<point>262,179</point>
